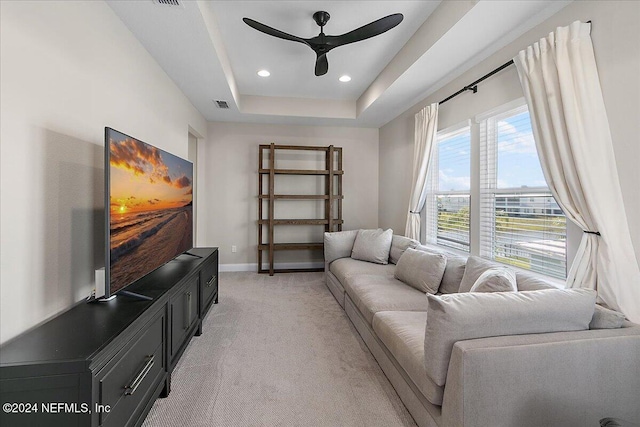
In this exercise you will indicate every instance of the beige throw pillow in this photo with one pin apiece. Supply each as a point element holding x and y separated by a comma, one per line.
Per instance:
<point>338,244</point>
<point>399,244</point>
<point>497,279</point>
<point>453,272</point>
<point>421,270</point>
<point>474,268</point>
<point>373,245</point>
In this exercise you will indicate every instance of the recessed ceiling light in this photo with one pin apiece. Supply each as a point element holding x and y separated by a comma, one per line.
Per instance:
<point>345,79</point>
<point>264,73</point>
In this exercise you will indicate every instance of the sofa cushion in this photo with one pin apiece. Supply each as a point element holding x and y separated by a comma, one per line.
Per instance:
<point>345,267</point>
<point>465,316</point>
<point>402,333</point>
<point>496,279</point>
<point>604,318</point>
<point>372,245</point>
<point>338,244</point>
<point>421,270</point>
<point>453,272</point>
<point>399,244</point>
<point>371,294</point>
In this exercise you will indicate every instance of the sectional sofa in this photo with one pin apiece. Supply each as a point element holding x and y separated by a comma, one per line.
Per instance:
<point>535,356</point>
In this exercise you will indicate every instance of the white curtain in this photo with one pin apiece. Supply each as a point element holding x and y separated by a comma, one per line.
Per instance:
<point>425,134</point>
<point>560,82</point>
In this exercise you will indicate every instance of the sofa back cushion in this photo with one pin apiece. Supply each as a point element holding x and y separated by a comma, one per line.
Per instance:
<point>399,244</point>
<point>453,272</point>
<point>338,244</point>
<point>604,318</point>
<point>372,245</point>
<point>530,282</point>
<point>463,316</point>
<point>421,270</point>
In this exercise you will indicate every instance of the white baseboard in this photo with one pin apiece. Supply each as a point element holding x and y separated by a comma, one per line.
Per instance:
<point>282,265</point>
<point>238,267</point>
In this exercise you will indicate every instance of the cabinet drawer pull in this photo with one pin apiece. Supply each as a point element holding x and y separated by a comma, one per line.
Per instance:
<point>130,389</point>
<point>210,281</point>
<point>187,312</point>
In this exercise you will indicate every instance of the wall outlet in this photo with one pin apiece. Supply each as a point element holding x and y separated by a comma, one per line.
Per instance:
<point>234,249</point>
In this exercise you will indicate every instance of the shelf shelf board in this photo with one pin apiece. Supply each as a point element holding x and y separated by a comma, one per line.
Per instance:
<point>300,197</point>
<point>299,221</point>
<point>298,147</point>
<point>291,246</point>
<point>300,172</point>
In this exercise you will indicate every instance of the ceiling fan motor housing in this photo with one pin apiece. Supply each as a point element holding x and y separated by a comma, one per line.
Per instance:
<point>321,17</point>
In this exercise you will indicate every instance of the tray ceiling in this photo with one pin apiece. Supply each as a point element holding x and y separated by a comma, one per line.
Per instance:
<point>212,55</point>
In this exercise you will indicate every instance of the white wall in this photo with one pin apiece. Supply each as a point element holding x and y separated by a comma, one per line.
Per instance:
<point>616,35</point>
<point>68,69</point>
<point>228,189</point>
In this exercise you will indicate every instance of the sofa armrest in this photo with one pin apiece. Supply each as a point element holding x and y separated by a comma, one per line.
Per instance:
<point>555,379</point>
<point>338,245</point>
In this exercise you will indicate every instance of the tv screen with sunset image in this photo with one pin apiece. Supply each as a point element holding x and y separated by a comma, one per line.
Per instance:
<point>150,199</point>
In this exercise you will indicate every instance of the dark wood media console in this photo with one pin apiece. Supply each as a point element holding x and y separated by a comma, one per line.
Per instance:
<point>105,363</point>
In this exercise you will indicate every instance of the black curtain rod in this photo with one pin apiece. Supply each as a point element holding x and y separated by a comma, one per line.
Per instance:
<point>474,86</point>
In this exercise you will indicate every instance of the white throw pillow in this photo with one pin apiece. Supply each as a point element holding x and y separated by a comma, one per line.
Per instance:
<point>421,270</point>
<point>372,245</point>
<point>497,279</point>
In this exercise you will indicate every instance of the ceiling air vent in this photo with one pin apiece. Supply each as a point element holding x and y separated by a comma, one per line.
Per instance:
<point>222,104</point>
<point>169,2</point>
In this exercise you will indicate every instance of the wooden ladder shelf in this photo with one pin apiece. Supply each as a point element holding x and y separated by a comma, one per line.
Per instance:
<point>332,198</point>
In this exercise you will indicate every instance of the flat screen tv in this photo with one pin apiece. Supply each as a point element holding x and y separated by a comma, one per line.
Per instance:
<point>149,202</point>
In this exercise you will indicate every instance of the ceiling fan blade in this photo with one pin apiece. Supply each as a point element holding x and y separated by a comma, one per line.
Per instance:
<point>372,29</point>
<point>322,65</point>
<point>273,32</point>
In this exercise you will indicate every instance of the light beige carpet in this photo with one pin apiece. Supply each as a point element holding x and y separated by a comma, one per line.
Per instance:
<point>278,351</point>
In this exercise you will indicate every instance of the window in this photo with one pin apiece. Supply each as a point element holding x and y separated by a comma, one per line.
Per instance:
<point>449,185</point>
<point>520,222</point>
<point>503,210</point>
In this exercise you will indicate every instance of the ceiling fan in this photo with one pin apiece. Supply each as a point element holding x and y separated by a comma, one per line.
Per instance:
<point>321,44</point>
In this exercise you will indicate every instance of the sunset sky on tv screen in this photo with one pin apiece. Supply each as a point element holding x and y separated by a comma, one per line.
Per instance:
<point>144,178</point>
